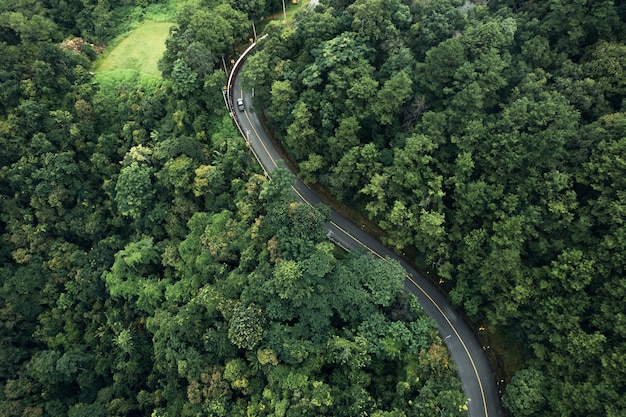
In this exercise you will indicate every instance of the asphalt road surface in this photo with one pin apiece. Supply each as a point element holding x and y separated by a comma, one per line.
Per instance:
<point>468,353</point>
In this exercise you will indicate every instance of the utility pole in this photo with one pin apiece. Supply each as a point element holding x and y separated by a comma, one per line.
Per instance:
<point>254,30</point>
<point>284,12</point>
<point>224,62</point>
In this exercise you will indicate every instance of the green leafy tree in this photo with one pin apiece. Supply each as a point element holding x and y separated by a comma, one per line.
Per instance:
<point>301,134</point>
<point>246,326</point>
<point>183,78</point>
<point>134,190</point>
<point>392,97</point>
<point>525,394</point>
<point>283,99</point>
<point>133,276</point>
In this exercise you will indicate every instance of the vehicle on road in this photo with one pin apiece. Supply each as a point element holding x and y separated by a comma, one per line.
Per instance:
<point>466,350</point>
<point>240,105</point>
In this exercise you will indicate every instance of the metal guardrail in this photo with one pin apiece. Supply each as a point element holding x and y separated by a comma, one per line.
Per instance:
<point>333,238</point>
<point>229,97</point>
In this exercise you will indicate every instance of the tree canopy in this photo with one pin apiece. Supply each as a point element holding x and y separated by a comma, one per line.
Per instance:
<point>487,139</point>
<point>147,268</point>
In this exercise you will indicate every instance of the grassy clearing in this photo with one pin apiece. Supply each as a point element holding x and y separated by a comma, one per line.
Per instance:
<point>290,10</point>
<point>140,50</point>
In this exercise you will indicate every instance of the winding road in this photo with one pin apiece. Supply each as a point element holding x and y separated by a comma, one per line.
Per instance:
<point>472,365</point>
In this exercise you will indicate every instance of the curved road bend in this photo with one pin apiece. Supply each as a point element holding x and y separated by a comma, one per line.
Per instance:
<point>467,352</point>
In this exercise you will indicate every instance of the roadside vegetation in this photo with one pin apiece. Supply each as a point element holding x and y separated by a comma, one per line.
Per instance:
<point>486,138</point>
<point>147,268</point>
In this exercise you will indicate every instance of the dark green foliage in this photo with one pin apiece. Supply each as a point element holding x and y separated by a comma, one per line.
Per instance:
<point>490,140</point>
<point>146,268</point>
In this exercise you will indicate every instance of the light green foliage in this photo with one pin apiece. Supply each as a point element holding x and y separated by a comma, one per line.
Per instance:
<point>235,373</point>
<point>353,354</point>
<point>279,188</point>
<point>345,137</point>
<point>256,73</point>
<point>177,174</point>
<point>301,133</point>
<point>525,395</point>
<point>441,62</point>
<point>372,19</point>
<point>488,139</point>
<point>392,96</point>
<point>311,166</point>
<point>134,190</point>
<point>288,283</point>
<point>607,65</point>
<point>133,275</point>
<point>283,99</point>
<point>208,178</point>
<point>140,50</point>
<point>183,78</point>
<point>436,22</point>
<point>357,164</point>
<point>29,26</point>
<point>219,27</point>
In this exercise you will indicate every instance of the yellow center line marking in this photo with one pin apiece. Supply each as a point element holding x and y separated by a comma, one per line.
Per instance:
<point>381,257</point>
<point>480,385</point>
<point>270,156</point>
<point>259,138</point>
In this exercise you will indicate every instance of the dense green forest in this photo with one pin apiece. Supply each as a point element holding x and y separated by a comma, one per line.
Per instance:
<point>489,138</point>
<point>148,269</point>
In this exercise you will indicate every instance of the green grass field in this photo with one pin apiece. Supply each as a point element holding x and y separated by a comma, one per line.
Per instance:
<point>136,54</point>
<point>140,50</point>
<point>292,9</point>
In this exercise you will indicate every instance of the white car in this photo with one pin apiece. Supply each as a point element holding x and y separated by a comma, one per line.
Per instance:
<point>240,104</point>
